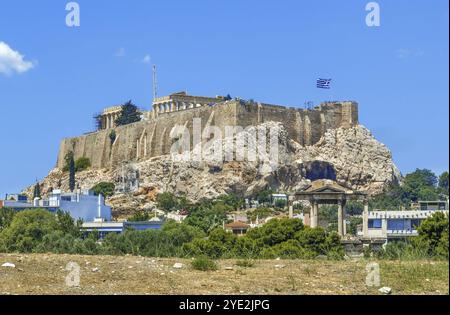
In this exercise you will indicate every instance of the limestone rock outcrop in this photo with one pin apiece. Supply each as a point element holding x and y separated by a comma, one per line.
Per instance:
<point>351,156</point>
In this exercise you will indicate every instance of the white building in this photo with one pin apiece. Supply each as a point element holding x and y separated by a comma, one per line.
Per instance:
<point>80,204</point>
<point>83,204</point>
<point>388,225</point>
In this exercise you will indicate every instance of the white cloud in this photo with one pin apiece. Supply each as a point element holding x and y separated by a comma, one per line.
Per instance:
<point>147,59</point>
<point>403,53</point>
<point>12,61</point>
<point>120,52</point>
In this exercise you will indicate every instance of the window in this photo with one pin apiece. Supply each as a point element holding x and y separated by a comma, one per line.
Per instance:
<point>396,224</point>
<point>375,224</point>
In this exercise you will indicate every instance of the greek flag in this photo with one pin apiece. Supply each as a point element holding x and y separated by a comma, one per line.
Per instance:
<point>323,83</point>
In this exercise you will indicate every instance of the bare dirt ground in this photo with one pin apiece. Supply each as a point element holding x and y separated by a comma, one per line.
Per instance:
<point>46,274</point>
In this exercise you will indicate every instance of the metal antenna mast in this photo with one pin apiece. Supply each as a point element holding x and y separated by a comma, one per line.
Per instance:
<point>155,84</point>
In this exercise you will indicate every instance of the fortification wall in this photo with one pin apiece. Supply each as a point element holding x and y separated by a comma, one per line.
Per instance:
<point>144,140</point>
<point>306,126</point>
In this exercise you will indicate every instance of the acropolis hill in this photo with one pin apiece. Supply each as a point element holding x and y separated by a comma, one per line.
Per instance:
<point>151,137</point>
<point>326,141</point>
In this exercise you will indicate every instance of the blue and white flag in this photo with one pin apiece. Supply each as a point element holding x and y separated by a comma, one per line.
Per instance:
<point>323,83</point>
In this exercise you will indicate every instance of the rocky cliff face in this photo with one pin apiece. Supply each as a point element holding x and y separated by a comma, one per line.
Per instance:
<point>352,157</point>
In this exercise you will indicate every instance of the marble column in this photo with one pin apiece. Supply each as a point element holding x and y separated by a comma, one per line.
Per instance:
<point>384,225</point>
<point>291,206</point>
<point>366,219</point>
<point>313,214</point>
<point>316,215</point>
<point>341,217</point>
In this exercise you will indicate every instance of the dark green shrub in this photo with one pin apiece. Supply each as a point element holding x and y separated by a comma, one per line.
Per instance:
<point>276,231</point>
<point>204,264</point>
<point>105,188</point>
<point>82,164</point>
<point>166,201</point>
<point>280,203</point>
<point>204,247</point>
<point>245,263</point>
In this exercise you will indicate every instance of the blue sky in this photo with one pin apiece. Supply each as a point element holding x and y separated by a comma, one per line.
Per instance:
<point>270,51</point>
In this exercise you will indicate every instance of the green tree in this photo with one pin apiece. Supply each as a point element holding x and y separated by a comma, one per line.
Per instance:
<point>6,217</point>
<point>354,207</point>
<point>443,182</point>
<point>66,224</point>
<point>27,230</point>
<point>98,121</point>
<point>37,190</point>
<point>105,188</point>
<point>353,226</point>
<point>112,137</point>
<point>67,158</point>
<point>180,233</point>
<point>280,203</point>
<point>207,215</point>
<point>128,115</point>
<point>265,196</point>
<point>421,177</point>
<point>72,171</point>
<point>434,230</point>
<point>166,201</point>
<point>232,200</point>
<point>420,184</point>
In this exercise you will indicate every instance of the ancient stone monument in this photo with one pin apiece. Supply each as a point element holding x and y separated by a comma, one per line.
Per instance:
<point>329,192</point>
<point>151,137</point>
<point>324,142</point>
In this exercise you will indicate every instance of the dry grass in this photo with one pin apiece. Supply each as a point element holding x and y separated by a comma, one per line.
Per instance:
<point>45,274</point>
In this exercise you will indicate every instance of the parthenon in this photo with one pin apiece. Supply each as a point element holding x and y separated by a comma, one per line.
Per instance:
<point>181,101</point>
